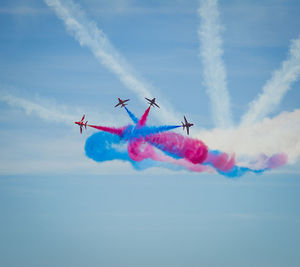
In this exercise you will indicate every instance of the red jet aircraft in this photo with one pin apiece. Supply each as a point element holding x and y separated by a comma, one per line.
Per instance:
<point>122,102</point>
<point>81,123</point>
<point>151,102</point>
<point>187,125</point>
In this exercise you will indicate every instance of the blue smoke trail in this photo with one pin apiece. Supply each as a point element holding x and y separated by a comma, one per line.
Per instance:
<point>240,171</point>
<point>103,146</point>
<point>132,132</point>
<point>236,171</point>
<point>132,116</point>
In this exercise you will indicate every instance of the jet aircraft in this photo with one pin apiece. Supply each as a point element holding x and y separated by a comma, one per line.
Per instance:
<point>152,102</point>
<point>187,125</point>
<point>81,123</point>
<point>122,102</point>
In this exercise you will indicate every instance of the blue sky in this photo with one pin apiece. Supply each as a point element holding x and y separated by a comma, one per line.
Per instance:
<point>60,208</point>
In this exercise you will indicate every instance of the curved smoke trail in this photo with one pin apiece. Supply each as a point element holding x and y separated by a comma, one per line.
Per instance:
<point>141,154</point>
<point>131,115</point>
<point>148,145</point>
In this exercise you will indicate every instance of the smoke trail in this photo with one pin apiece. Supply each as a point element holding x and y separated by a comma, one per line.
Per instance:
<point>197,154</point>
<point>280,134</point>
<point>226,164</point>
<point>88,34</point>
<point>135,132</point>
<point>143,119</point>
<point>278,160</point>
<point>131,132</point>
<point>214,69</point>
<point>144,143</point>
<point>272,136</point>
<point>179,146</point>
<point>112,130</point>
<point>275,89</point>
<point>104,146</point>
<point>132,116</point>
<point>52,113</point>
<point>221,161</point>
<point>140,150</point>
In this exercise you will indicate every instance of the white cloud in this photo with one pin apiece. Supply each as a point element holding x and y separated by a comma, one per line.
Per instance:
<point>280,134</point>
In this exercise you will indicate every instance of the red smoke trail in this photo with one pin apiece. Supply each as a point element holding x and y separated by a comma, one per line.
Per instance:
<point>143,119</point>
<point>175,144</point>
<point>277,160</point>
<point>139,150</point>
<point>112,130</point>
<point>221,161</point>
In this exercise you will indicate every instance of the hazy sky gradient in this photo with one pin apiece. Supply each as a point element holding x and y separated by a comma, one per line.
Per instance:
<point>59,208</point>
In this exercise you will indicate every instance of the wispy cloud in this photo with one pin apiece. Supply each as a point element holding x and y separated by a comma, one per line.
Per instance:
<point>33,153</point>
<point>88,34</point>
<point>214,69</point>
<point>276,87</point>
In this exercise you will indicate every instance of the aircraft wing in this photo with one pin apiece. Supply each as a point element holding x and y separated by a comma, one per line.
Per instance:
<point>185,121</point>
<point>156,105</point>
<point>148,99</point>
<point>117,105</point>
<point>83,117</point>
<point>125,100</point>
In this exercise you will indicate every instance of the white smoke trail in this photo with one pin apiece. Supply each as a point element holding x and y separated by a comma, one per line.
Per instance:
<point>276,87</point>
<point>280,134</point>
<point>88,34</point>
<point>52,113</point>
<point>214,69</point>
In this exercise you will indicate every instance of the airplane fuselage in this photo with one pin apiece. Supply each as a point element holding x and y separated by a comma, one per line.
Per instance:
<point>122,102</point>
